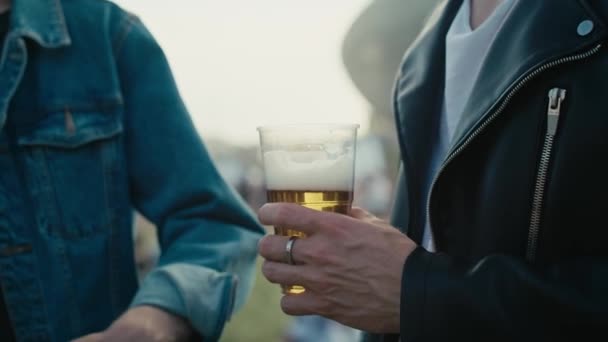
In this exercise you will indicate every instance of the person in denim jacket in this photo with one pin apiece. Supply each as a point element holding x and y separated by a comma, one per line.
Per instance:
<point>93,128</point>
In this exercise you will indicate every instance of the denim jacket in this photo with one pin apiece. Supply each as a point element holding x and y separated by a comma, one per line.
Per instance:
<point>93,128</point>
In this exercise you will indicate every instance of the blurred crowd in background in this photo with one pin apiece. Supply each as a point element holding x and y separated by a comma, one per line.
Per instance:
<point>371,52</point>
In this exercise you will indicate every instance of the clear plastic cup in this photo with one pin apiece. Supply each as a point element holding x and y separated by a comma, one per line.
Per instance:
<point>312,165</point>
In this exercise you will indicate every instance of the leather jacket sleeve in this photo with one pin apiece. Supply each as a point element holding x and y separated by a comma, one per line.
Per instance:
<point>502,298</point>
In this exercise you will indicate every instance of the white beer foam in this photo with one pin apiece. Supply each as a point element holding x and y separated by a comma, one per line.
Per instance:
<point>310,170</point>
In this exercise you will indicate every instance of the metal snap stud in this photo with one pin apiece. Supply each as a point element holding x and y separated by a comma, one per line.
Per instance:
<point>585,27</point>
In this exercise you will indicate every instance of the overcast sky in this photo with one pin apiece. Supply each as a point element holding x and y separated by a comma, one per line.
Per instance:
<point>244,63</point>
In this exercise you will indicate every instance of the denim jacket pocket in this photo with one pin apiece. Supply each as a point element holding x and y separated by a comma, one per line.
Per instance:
<point>72,162</point>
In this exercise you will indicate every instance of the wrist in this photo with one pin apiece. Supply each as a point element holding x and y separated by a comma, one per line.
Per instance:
<point>174,326</point>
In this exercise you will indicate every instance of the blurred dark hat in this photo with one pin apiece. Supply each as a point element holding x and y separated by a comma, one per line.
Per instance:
<point>375,43</point>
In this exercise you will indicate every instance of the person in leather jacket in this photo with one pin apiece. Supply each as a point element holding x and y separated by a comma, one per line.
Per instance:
<point>498,230</point>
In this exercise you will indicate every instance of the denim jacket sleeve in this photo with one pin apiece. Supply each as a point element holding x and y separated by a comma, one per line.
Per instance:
<point>207,234</point>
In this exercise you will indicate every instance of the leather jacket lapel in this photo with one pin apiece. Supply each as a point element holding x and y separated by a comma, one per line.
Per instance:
<point>418,96</point>
<point>522,46</point>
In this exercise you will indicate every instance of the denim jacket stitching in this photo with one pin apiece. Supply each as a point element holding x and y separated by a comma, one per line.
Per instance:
<point>99,105</point>
<point>108,155</point>
<point>127,26</point>
<point>60,23</point>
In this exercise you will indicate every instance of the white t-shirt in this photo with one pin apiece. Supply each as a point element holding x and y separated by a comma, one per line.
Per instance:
<point>466,50</point>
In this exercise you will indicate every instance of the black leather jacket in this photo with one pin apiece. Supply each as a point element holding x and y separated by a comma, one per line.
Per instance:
<point>519,210</point>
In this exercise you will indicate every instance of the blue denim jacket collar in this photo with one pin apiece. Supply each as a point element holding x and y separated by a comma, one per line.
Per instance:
<point>41,20</point>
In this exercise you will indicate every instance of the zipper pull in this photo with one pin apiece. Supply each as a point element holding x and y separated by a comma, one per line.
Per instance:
<point>556,97</point>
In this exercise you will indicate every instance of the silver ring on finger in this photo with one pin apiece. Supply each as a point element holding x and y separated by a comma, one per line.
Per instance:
<point>289,249</point>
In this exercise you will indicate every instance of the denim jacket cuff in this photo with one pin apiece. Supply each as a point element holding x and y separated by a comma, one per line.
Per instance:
<point>201,295</point>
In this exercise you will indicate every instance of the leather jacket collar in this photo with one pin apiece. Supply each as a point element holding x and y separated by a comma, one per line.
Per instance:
<point>527,44</point>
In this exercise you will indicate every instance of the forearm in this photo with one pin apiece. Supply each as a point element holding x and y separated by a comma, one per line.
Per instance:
<point>202,282</point>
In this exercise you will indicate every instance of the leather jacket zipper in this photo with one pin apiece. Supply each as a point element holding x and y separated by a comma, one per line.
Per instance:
<point>507,99</point>
<point>556,97</point>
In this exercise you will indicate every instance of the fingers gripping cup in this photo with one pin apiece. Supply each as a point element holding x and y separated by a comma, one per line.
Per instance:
<point>311,165</point>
